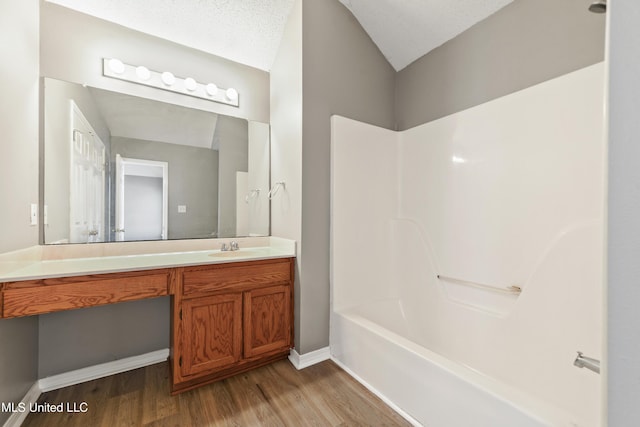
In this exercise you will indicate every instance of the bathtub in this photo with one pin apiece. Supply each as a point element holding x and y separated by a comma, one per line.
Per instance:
<point>486,196</point>
<point>423,386</point>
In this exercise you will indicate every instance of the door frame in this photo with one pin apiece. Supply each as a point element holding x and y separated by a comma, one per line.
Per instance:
<point>124,163</point>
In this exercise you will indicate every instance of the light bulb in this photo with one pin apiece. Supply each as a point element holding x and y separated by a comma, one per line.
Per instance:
<point>190,84</point>
<point>168,78</point>
<point>143,73</point>
<point>212,89</point>
<point>116,66</point>
<point>232,94</point>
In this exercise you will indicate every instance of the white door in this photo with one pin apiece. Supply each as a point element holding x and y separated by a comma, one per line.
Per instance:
<point>87,177</point>
<point>141,199</point>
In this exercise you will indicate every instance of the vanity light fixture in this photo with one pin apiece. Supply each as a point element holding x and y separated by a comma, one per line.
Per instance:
<point>212,89</point>
<point>168,78</point>
<point>190,84</point>
<point>232,94</point>
<point>143,73</point>
<point>114,68</point>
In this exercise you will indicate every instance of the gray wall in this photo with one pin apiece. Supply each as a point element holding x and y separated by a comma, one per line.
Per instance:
<point>18,180</point>
<point>193,181</point>
<point>343,73</point>
<point>19,122</point>
<point>525,43</point>
<point>78,338</point>
<point>623,300</point>
<point>232,136</point>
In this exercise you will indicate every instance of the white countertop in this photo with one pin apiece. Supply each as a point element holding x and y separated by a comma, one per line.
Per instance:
<point>32,263</point>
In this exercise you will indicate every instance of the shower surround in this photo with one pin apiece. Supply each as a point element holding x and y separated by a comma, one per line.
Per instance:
<point>508,195</point>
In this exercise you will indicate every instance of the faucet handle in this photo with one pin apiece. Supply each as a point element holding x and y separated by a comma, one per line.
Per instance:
<point>224,247</point>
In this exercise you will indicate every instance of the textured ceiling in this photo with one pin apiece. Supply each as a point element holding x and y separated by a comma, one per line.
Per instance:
<point>245,31</point>
<point>405,30</point>
<point>249,31</point>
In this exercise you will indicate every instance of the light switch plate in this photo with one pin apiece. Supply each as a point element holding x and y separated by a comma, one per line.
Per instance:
<point>34,214</point>
<point>182,208</point>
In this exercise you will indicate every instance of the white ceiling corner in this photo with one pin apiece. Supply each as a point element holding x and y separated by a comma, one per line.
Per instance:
<point>244,31</point>
<point>250,31</point>
<point>405,30</point>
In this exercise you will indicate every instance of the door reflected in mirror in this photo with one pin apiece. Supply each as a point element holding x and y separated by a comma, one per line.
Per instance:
<point>123,168</point>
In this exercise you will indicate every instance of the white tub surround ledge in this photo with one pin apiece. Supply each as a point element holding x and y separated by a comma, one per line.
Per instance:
<point>100,258</point>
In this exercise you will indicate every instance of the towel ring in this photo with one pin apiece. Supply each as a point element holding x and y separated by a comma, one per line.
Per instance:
<point>274,190</point>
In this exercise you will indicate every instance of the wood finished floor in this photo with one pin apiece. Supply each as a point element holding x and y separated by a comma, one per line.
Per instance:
<point>274,395</point>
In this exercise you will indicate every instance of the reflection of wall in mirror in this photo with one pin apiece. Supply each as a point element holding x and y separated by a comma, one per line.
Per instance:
<point>231,136</point>
<point>193,182</point>
<point>259,167</point>
<point>58,134</point>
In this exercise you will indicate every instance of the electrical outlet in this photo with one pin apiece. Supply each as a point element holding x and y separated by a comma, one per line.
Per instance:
<point>34,214</point>
<point>182,208</point>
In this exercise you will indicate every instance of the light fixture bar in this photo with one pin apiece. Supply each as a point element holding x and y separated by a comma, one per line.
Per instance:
<point>116,69</point>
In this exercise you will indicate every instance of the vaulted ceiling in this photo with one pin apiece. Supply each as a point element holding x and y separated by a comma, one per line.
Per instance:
<point>405,30</point>
<point>249,31</point>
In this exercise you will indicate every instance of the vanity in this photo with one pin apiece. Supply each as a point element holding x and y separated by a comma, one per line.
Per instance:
<point>231,311</point>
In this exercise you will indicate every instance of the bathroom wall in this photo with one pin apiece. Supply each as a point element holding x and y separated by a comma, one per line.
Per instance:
<point>623,299</point>
<point>19,118</point>
<point>78,338</point>
<point>507,192</point>
<point>18,180</point>
<point>343,73</point>
<point>525,43</point>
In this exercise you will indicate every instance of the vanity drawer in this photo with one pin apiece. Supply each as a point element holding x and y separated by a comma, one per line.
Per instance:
<point>235,276</point>
<point>49,295</point>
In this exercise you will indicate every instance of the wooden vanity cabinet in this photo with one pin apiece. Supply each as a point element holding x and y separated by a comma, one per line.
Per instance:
<point>229,318</point>
<point>40,296</point>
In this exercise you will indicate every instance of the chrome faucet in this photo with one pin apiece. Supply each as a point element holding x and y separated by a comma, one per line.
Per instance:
<point>233,246</point>
<point>587,362</point>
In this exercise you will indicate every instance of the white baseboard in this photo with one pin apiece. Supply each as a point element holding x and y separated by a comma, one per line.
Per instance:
<point>301,361</point>
<point>102,370</point>
<point>17,418</point>
<point>375,391</point>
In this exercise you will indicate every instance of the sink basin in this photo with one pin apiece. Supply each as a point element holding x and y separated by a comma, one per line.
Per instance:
<point>233,254</point>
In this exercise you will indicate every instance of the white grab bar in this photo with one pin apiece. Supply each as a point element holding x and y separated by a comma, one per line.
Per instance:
<point>514,289</point>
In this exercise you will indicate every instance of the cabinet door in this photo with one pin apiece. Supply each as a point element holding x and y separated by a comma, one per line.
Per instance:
<point>212,332</point>
<point>267,320</point>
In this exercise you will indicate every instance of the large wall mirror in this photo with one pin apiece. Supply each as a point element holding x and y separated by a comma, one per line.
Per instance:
<point>123,168</point>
